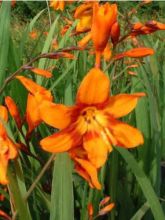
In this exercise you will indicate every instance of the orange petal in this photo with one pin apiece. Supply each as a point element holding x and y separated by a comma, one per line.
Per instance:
<point>83,42</point>
<point>32,113</point>
<point>132,73</point>
<point>83,174</point>
<point>126,135</point>
<point>57,4</point>
<point>12,148</point>
<point>3,169</point>
<point>42,72</point>
<point>3,214</point>
<point>136,53</point>
<point>3,113</point>
<point>104,201</point>
<point>90,209</point>
<point>115,32</point>
<point>106,209</point>
<point>83,9</point>
<point>94,89</point>
<point>13,109</point>
<point>84,24</point>
<point>3,118</point>
<point>62,141</point>
<point>160,26</point>
<point>33,87</point>
<point>107,53</point>
<point>91,170</point>
<point>56,115</point>
<point>122,104</point>
<point>96,148</point>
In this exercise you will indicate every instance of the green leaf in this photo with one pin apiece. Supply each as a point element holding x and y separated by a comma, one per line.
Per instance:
<point>4,37</point>
<point>144,183</point>
<point>62,192</point>
<point>141,212</point>
<point>21,207</point>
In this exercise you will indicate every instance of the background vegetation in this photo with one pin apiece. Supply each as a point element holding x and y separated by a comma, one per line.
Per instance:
<point>134,179</point>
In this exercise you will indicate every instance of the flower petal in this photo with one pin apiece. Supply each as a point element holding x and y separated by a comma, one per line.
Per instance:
<point>122,104</point>
<point>41,72</point>
<point>32,113</point>
<point>106,209</point>
<point>3,170</point>
<point>13,109</point>
<point>3,113</point>
<point>94,89</point>
<point>56,115</point>
<point>34,88</point>
<point>83,9</point>
<point>96,148</point>
<point>126,135</point>
<point>12,152</point>
<point>83,42</point>
<point>136,53</point>
<point>91,171</point>
<point>62,141</point>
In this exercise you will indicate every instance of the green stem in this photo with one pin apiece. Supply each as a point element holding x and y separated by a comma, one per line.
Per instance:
<point>21,210</point>
<point>113,181</point>
<point>46,166</point>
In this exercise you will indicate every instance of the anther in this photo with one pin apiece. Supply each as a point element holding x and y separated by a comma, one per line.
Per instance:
<point>84,113</point>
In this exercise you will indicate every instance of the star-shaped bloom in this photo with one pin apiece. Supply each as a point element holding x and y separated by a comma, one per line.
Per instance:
<point>93,122</point>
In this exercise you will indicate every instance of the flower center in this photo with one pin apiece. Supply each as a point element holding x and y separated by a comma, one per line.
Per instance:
<point>89,114</point>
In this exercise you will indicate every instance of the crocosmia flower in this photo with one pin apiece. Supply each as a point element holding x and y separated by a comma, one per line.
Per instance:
<point>104,16</point>
<point>57,5</point>
<point>36,96</point>
<point>93,122</point>
<point>7,147</point>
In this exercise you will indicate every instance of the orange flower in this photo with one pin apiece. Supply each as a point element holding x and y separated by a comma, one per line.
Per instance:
<point>57,4</point>
<point>14,111</point>
<point>33,35</point>
<point>7,147</point>
<point>37,95</point>
<point>136,53</point>
<point>93,122</point>
<point>105,208</point>
<point>104,16</point>
<point>84,14</point>
<point>149,27</point>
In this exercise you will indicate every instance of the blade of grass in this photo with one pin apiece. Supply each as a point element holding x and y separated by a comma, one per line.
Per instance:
<point>20,205</point>
<point>62,206</point>
<point>144,183</point>
<point>4,37</point>
<point>141,212</point>
<point>62,194</point>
